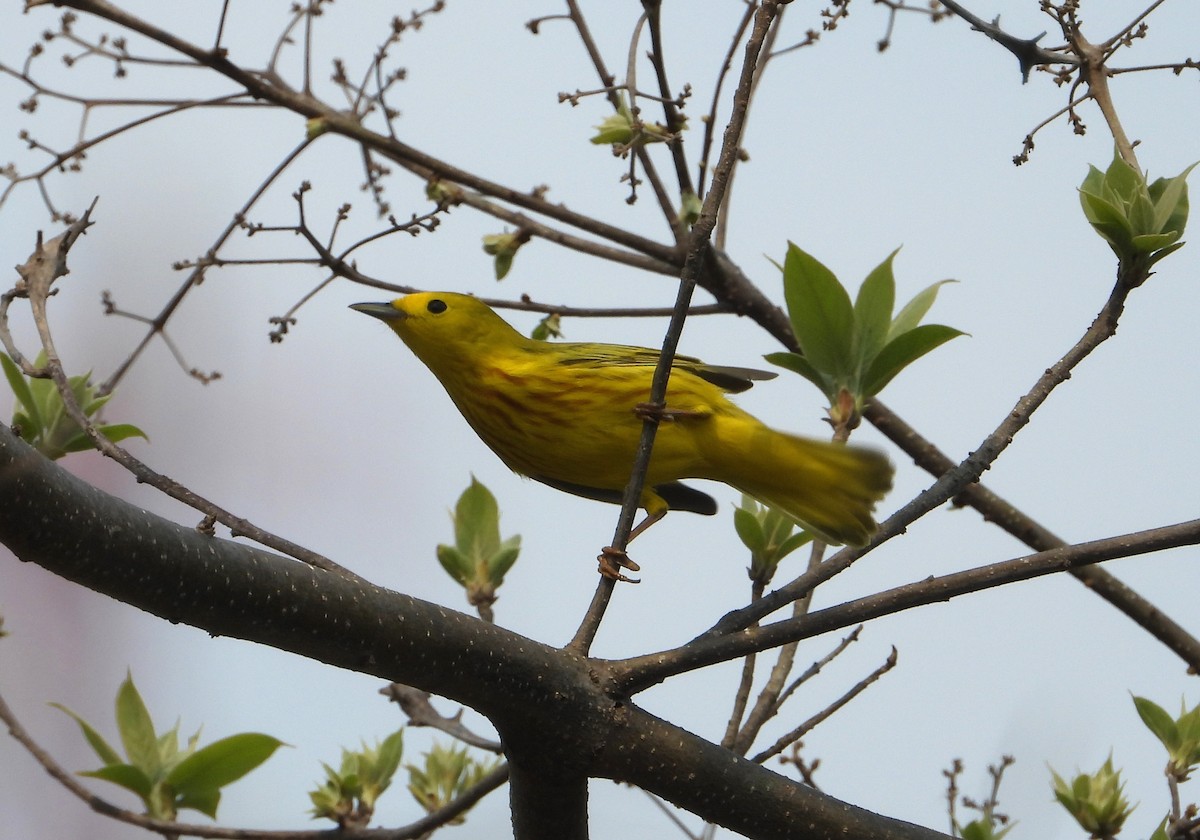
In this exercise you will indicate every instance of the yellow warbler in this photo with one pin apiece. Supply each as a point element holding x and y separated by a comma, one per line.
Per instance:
<point>569,415</point>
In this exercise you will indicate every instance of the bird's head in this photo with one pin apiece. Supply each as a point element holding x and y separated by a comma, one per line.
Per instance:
<point>441,326</point>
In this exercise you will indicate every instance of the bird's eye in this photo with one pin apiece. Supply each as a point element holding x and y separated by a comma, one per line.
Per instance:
<point>436,306</point>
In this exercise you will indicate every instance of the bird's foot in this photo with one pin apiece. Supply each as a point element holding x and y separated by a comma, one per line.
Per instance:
<point>613,560</point>
<point>664,414</point>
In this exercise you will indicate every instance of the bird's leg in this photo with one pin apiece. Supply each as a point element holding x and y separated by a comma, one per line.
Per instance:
<point>664,414</point>
<point>612,560</point>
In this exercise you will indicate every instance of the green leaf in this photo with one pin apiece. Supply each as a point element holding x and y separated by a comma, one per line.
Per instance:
<point>166,746</point>
<point>1164,252</point>
<point>101,747</point>
<point>617,129</point>
<point>1148,243</point>
<point>777,525</point>
<point>1110,222</point>
<point>455,564</point>
<point>749,529</point>
<point>1170,197</point>
<point>117,432</point>
<point>1141,215</point>
<point>795,541</point>
<point>221,762</point>
<point>798,364</point>
<point>204,801</point>
<point>388,761</point>
<point>902,351</point>
<point>137,729</point>
<point>912,312</point>
<point>126,775</point>
<point>503,559</point>
<point>821,313</point>
<point>1093,182</point>
<point>503,265</point>
<point>873,310</point>
<point>1123,178</point>
<point>477,521</point>
<point>20,388</point>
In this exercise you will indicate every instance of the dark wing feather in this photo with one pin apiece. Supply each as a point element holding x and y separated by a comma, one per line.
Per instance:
<point>732,379</point>
<point>677,496</point>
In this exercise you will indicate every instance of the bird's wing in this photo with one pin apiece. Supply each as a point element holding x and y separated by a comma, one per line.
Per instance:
<point>732,379</point>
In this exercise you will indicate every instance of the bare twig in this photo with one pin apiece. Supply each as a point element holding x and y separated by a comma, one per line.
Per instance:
<point>799,732</point>
<point>421,712</point>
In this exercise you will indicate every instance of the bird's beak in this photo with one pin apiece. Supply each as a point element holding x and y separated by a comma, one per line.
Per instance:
<point>382,311</point>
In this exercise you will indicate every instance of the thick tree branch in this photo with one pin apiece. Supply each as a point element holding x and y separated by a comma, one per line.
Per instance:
<point>534,694</point>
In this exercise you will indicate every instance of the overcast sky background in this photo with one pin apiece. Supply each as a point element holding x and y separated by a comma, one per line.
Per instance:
<point>340,440</point>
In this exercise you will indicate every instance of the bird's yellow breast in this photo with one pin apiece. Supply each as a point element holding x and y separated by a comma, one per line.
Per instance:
<point>577,423</point>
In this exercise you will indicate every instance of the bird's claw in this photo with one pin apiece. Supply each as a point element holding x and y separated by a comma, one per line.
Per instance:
<point>662,413</point>
<point>613,560</point>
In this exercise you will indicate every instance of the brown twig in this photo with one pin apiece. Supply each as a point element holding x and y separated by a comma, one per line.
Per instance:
<point>799,732</point>
<point>420,711</point>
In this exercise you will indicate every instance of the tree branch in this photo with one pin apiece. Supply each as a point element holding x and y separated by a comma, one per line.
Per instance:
<point>639,673</point>
<point>567,705</point>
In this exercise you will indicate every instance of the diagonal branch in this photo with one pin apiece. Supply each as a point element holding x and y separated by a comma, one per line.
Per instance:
<point>639,673</point>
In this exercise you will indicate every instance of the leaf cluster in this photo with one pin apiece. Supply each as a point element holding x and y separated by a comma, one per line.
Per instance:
<point>1096,800</point>
<point>165,776</point>
<point>623,130</point>
<point>1180,736</point>
<point>448,773</point>
<point>42,418</point>
<point>479,559</point>
<point>1141,222</point>
<point>852,350</point>
<point>348,794</point>
<point>770,535</point>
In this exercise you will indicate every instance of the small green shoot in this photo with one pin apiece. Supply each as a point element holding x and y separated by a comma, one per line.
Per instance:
<point>770,535</point>
<point>42,418</point>
<point>1180,736</point>
<point>167,778</point>
<point>1096,801</point>
<point>448,773</point>
<point>348,794</point>
<point>479,559</point>
<point>1141,222</point>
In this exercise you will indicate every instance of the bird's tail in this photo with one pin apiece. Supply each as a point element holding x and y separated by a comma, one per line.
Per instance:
<point>830,488</point>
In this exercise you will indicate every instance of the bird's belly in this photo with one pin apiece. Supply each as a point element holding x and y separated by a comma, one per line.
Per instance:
<point>576,437</point>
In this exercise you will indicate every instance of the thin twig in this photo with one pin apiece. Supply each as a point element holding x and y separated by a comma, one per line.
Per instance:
<point>421,712</point>
<point>799,732</point>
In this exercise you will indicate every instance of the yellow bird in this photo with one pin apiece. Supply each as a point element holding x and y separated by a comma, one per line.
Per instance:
<point>570,415</point>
